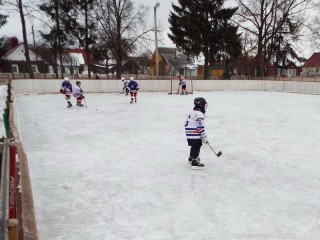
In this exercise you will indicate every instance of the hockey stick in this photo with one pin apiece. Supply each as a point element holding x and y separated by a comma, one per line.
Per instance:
<point>84,100</point>
<point>68,100</point>
<point>217,154</point>
<point>120,92</point>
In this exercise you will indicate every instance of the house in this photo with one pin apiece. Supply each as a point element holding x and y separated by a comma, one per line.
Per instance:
<point>14,60</point>
<point>312,65</point>
<point>171,63</point>
<point>249,66</point>
<point>75,62</point>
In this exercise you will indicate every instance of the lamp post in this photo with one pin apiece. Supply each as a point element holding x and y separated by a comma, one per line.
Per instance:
<point>156,37</point>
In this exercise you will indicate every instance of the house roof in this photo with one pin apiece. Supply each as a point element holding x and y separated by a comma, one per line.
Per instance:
<point>11,50</point>
<point>79,54</point>
<point>313,61</point>
<point>17,53</point>
<point>174,57</point>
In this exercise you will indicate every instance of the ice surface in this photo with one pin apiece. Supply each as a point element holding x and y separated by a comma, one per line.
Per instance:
<point>117,170</point>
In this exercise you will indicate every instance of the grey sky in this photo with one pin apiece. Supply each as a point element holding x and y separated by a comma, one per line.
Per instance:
<point>13,27</point>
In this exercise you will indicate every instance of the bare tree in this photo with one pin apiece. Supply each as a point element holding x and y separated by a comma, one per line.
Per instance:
<point>266,19</point>
<point>18,5</point>
<point>120,27</point>
<point>3,18</point>
<point>314,29</point>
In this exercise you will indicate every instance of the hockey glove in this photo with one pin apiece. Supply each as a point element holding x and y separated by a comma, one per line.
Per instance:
<point>205,140</point>
<point>62,91</point>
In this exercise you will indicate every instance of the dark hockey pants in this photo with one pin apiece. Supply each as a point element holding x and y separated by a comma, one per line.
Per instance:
<point>195,147</point>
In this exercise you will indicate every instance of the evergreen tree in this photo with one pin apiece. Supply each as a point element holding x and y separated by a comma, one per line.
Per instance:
<point>203,26</point>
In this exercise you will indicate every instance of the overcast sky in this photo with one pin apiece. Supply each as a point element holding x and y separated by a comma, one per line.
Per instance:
<point>13,27</point>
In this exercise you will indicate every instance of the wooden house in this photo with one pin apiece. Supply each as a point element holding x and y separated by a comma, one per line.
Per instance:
<point>172,63</point>
<point>312,65</point>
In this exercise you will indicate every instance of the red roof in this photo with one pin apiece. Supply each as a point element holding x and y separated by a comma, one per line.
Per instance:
<point>313,61</point>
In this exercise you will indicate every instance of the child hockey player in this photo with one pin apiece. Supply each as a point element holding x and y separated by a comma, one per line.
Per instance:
<point>78,93</point>
<point>195,131</point>
<point>183,83</point>
<point>125,86</point>
<point>66,89</point>
<point>133,88</point>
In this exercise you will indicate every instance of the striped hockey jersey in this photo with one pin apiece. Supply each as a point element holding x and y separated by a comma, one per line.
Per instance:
<point>194,126</point>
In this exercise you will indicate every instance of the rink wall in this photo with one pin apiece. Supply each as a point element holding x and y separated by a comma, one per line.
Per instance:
<point>34,86</point>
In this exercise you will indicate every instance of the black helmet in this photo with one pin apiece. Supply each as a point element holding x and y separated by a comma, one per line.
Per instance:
<point>78,82</point>
<point>200,103</point>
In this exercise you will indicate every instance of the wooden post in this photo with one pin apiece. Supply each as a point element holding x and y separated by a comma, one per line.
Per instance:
<point>13,229</point>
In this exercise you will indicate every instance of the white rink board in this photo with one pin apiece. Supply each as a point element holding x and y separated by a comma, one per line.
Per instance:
<point>27,86</point>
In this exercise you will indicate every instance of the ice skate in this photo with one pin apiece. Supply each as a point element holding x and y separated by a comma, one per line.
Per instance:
<point>131,100</point>
<point>80,104</point>
<point>69,104</point>
<point>135,100</point>
<point>190,160</point>
<point>195,164</point>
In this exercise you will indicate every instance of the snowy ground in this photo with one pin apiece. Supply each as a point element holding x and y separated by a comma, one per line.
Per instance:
<point>118,171</point>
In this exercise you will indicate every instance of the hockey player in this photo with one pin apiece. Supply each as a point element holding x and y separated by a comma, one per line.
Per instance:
<point>133,88</point>
<point>195,131</point>
<point>125,86</point>
<point>66,89</point>
<point>183,83</point>
<point>78,93</point>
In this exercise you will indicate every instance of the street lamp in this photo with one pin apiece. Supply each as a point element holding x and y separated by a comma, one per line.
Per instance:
<point>156,37</point>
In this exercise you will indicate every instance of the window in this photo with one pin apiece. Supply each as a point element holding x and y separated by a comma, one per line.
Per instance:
<point>15,68</point>
<point>34,68</point>
<point>284,72</point>
<point>51,69</point>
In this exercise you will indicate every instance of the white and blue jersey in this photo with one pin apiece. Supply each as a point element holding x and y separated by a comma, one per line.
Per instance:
<point>182,81</point>
<point>77,92</point>
<point>194,126</point>
<point>125,84</point>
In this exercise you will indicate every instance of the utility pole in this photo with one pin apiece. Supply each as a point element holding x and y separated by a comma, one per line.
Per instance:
<point>156,38</point>
<point>34,43</point>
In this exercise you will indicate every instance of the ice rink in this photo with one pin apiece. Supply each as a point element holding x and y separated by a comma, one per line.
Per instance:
<point>119,171</point>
